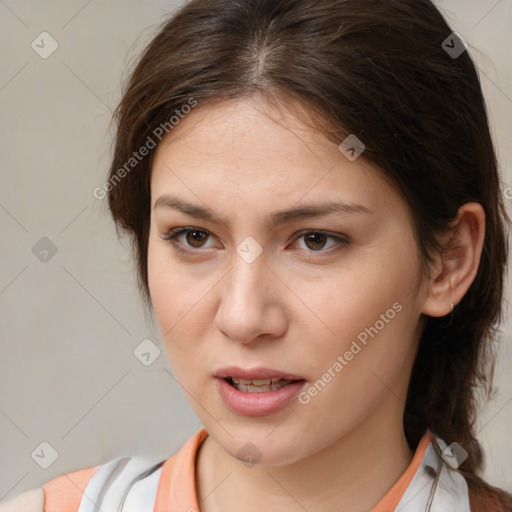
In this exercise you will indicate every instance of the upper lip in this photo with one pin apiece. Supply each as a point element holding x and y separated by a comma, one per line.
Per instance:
<point>257,373</point>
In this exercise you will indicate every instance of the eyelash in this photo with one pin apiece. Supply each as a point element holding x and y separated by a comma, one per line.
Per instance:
<point>171,236</point>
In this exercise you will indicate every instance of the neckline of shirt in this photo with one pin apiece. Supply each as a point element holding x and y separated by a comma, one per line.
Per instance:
<point>177,489</point>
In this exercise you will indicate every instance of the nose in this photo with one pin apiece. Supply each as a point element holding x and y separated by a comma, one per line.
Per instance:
<point>251,306</point>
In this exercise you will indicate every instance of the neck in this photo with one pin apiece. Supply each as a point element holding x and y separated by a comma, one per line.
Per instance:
<point>354,473</point>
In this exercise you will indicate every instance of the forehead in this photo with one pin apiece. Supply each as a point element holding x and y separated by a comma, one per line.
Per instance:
<point>243,150</point>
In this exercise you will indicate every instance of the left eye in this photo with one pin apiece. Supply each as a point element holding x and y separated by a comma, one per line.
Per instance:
<point>315,240</point>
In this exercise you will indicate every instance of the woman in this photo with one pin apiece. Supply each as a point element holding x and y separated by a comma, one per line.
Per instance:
<point>317,218</point>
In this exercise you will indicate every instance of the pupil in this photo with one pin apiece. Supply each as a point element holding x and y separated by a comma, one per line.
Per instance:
<point>199,233</point>
<point>316,236</point>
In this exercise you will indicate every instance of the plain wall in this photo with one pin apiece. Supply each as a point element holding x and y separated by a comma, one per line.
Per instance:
<point>69,325</point>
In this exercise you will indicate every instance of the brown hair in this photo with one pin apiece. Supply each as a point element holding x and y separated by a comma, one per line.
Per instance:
<point>376,69</point>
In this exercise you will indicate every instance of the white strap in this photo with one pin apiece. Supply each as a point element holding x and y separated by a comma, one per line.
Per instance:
<point>108,487</point>
<point>142,495</point>
<point>450,493</point>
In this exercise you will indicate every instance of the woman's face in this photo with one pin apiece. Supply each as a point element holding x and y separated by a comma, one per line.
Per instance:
<point>329,299</point>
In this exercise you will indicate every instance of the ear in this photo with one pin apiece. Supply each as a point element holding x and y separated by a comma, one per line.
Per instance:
<point>456,268</point>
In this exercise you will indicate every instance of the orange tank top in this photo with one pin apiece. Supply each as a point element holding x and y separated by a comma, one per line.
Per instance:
<point>136,484</point>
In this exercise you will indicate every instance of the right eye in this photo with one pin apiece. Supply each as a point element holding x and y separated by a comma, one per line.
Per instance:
<point>193,236</point>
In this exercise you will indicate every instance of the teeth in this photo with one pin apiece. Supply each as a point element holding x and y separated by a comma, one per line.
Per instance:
<point>260,382</point>
<point>258,386</point>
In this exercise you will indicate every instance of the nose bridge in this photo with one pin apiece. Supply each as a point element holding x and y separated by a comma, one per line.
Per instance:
<point>245,299</point>
<point>247,280</point>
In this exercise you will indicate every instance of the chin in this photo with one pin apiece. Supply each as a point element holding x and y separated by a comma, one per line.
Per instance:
<point>256,447</point>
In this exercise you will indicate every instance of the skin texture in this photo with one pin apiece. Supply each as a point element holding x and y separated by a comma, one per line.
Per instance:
<point>296,308</point>
<point>29,501</point>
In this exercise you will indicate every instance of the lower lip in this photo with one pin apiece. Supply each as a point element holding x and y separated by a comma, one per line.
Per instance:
<point>258,404</point>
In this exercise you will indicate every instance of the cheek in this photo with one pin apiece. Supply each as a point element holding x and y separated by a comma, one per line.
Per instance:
<point>160,284</point>
<point>365,313</point>
<point>355,370</point>
<point>168,290</point>
<point>169,285</point>
<point>180,304</point>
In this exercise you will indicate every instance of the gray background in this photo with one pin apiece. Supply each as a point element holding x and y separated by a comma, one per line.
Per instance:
<point>70,324</point>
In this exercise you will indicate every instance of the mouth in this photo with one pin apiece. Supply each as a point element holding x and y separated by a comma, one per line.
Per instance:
<point>258,385</point>
<point>256,380</point>
<point>257,391</point>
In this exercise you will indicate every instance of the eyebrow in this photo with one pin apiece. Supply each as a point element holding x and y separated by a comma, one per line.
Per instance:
<point>274,219</point>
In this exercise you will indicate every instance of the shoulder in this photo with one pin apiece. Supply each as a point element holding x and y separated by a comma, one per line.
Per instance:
<point>60,493</point>
<point>105,485</point>
<point>64,492</point>
<point>29,501</point>
<point>135,478</point>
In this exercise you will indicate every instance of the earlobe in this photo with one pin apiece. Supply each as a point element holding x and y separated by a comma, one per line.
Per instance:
<point>458,265</point>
